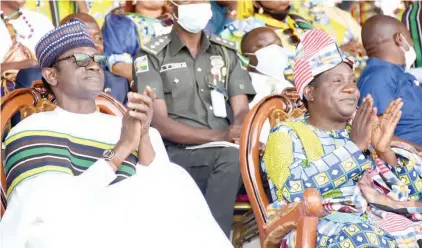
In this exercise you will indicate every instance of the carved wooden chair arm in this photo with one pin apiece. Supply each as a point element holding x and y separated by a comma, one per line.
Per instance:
<point>302,216</point>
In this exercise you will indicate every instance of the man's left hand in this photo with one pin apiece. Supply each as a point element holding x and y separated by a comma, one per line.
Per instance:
<point>143,109</point>
<point>383,128</point>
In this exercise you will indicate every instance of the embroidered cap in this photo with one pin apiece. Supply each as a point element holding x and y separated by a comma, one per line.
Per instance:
<point>316,53</point>
<point>62,39</point>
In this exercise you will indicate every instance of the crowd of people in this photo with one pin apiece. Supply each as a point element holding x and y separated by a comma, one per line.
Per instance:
<point>168,173</point>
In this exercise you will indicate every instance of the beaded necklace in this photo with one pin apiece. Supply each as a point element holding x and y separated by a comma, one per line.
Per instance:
<point>20,14</point>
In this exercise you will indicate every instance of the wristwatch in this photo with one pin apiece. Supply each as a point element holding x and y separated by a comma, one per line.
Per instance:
<point>110,156</point>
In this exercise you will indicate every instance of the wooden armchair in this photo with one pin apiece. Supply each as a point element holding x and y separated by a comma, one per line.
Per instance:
<point>302,216</point>
<point>36,99</point>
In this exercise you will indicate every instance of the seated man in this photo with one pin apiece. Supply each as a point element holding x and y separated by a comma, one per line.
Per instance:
<point>390,48</point>
<point>267,61</point>
<point>202,96</point>
<point>321,151</point>
<point>80,178</point>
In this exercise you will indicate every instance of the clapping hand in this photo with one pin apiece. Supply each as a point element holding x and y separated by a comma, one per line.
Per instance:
<point>383,128</point>
<point>140,106</point>
<point>361,130</point>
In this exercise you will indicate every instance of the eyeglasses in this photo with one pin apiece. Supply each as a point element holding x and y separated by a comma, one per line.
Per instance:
<point>83,60</point>
<point>293,38</point>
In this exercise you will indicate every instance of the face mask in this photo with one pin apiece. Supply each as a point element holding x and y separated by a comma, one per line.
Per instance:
<point>272,60</point>
<point>194,17</point>
<point>409,55</point>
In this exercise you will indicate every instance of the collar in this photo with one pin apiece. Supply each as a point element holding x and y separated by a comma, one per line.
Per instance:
<point>176,43</point>
<point>379,62</point>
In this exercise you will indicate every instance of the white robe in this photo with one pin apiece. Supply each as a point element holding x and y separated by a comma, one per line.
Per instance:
<point>160,206</point>
<point>266,86</point>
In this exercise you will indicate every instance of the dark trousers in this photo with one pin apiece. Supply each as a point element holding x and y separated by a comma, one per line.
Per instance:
<point>217,173</point>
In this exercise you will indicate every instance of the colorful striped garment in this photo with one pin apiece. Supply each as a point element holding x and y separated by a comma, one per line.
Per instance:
<point>412,18</point>
<point>300,156</point>
<point>30,153</point>
<point>48,202</point>
<point>42,146</point>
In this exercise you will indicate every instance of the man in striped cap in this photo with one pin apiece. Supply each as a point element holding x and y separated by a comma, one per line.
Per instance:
<point>343,162</point>
<point>80,178</point>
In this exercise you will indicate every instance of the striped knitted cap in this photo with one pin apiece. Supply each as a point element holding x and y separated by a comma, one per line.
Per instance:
<point>60,40</point>
<point>316,53</point>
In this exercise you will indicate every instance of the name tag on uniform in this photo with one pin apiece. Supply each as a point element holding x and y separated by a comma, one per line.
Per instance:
<point>173,66</point>
<point>218,103</point>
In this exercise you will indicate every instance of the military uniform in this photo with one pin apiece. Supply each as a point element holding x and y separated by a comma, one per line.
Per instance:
<point>185,83</point>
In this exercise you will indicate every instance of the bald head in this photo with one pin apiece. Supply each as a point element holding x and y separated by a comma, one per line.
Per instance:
<point>256,39</point>
<point>383,36</point>
<point>259,38</point>
<point>92,26</point>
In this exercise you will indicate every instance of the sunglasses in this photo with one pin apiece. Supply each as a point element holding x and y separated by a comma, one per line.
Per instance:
<point>293,39</point>
<point>83,60</point>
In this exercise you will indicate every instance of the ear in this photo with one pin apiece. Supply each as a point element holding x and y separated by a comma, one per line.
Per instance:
<point>308,93</point>
<point>398,39</point>
<point>50,75</point>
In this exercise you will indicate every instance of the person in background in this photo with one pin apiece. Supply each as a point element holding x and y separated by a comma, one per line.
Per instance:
<point>125,33</point>
<point>365,201</point>
<point>267,61</point>
<point>363,10</point>
<point>325,15</point>
<point>202,96</point>
<point>391,54</point>
<point>412,19</point>
<point>108,179</point>
<point>115,86</point>
<point>278,15</point>
<point>224,12</point>
<point>20,30</point>
<point>339,24</point>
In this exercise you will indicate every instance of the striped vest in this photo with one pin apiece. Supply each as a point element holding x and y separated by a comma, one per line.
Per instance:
<point>30,153</point>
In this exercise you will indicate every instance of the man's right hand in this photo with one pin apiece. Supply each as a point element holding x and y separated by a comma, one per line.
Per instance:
<point>362,123</point>
<point>232,134</point>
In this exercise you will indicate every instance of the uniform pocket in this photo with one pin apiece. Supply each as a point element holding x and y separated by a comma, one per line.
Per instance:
<point>178,86</point>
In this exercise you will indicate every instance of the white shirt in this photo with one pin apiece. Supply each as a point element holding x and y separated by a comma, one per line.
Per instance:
<point>160,206</point>
<point>265,86</point>
<point>40,23</point>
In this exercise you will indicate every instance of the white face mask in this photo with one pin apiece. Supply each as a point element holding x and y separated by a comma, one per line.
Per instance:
<point>409,55</point>
<point>194,17</point>
<point>272,60</point>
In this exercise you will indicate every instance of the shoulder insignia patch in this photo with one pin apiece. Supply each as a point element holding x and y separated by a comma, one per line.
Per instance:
<point>141,64</point>
<point>223,42</point>
<point>156,45</point>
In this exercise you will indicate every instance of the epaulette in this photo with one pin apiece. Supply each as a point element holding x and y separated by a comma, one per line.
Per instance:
<point>155,46</point>
<point>220,41</point>
<point>301,22</point>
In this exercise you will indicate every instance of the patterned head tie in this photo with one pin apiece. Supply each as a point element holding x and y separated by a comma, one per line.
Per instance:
<point>60,40</point>
<point>316,53</point>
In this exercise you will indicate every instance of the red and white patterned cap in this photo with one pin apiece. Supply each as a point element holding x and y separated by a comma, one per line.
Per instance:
<point>316,53</point>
